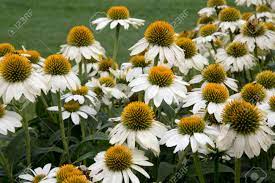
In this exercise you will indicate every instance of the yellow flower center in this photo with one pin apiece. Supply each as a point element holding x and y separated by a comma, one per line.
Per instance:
<point>66,171</point>
<point>208,30</point>
<point>139,61</point>
<point>161,76</point>
<point>253,29</point>
<point>106,64</point>
<point>137,116</point>
<point>214,73</point>
<point>269,26</point>
<point>38,178</point>
<point>189,47</point>
<point>266,79</point>
<point>271,103</point>
<point>71,106</point>
<point>118,12</point>
<point>15,68</point>
<point>6,48</point>
<point>229,15</point>
<point>118,158</point>
<point>80,36</point>
<point>57,65</point>
<point>253,93</point>
<point>246,16</point>
<point>76,179</point>
<point>262,9</point>
<point>2,110</point>
<point>107,81</point>
<point>160,33</point>
<point>205,20</point>
<point>216,93</point>
<point>83,90</point>
<point>191,124</point>
<point>237,49</point>
<point>34,55</point>
<point>242,116</point>
<point>213,3</point>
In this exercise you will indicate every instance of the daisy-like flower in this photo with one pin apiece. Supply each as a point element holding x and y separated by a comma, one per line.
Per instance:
<point>67,171</point>
<point>103,67</point>
<point>269,110</point>
<point>74,110</point>
<point>230,19</point>
<point>212,97</point>
<point>235,57</point>
<point>17,78</point>
<point>116,164</point>
<point>267,80</point>
<point>244,130</point>
<point>6,48</point>
<point>77,179</point>
<point>264,14</point>
<point>33,56</point>
<point>160,84</point>
<point>105,87</point>
<point>247,15</point>
<point>208,33</point>
<point>215,73</point>
<point>254,33</point>
<point>81,95</point>
<point>9,120</point>
<point>118,16</point>
<point>59,75</point>
<point>192,58</point>
<point>190,130</point>
<point>213,6</point>
<point>253,2</point>
<point>138,126</point>
<point>137,66</point>
<point>159,40</point>
<point>40,175</point>
<point>203,20</point>
<point>81,43</point>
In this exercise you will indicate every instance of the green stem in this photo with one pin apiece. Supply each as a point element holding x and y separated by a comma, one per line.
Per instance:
<point>213,46</point>
<point>216,168</point>
<point>198,167</point>
<point>83,134</point>
<point>231,35</point>
<point>237,170</point>
<point>115,51</point>
<point>80,70</point>
<point>27,139</point>
<point>46,106</point>
<point>62,127</point>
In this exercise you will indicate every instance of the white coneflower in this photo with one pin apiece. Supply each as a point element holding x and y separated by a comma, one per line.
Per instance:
<point>193,59</point>
<point>213,6</point>
<point>254,33</point>
<point>269,110</point>
<point>160,84</point>
<point>159,41</point>
<point>253,2</point>
<point>235,57</point>
<point>67,172</point>
<point>138,126</point>
<point>215,73</point>
<point>117,165</point>
<point>212,97</point>
<point>59,75</point>
<point>40,175</point>
<point>267,80</point>
<point>118,16</point>
<point>74,110</point>
<point>82,44</point>
<point>6,48</point>
<point>190,130</point>
<point>9,120</point>
<point>18,78</point>
<point>244,130</point>
<point>33,56</point>
<point>263,13</point>
<point>102,68</point>
<point>208,33</point>
<point>230,20</point>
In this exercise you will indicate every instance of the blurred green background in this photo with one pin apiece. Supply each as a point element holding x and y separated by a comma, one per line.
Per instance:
<point>46,25</point>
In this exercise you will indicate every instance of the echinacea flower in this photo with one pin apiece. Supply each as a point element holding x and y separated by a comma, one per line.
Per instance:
<point>118,16</point>
<point>215,73</point>
<point>191,130</point>
<point>208,33</point>
<point>9,120</point>
<point>263,13</point>
<point>6,48</point>
<point>213,6</point>
<point>230,19</point>
<point>81,43</point>
<point>59,75</point>
<point>18,78</point>
<point>81,95</point>
<point>77,179</point>
<point>269,109</point>
<point>66,171</point>
<point>193,59</point>
<point>252,2</point>
<point>159,40</point>
<point>102,68</point>
<point>74,110</point>
<point>212,97</point>
<point>235,57</point>
<point>33,56</point>
<point>267,80</point>
<point>244,130</point>
<point>138,125</point>
<point>116,164</point>
<point>160,84</point>
<point>255,34</point>
<point>40,175</point>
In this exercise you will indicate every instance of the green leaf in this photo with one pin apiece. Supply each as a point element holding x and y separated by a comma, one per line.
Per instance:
<point>164,170</point>
<point>86,156</point>
<point>45,150</point>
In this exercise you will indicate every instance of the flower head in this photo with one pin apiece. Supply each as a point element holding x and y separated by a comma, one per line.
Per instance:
<point>80,36</point>
<point>253,93</point>
<point>213,3</point>
<point>216,93</point>
<point>57,65</point>
<point>229,15</point>
<point>118,12</point>
<point>266,79</point>
<point>214,73</point>
<point>6,48</point>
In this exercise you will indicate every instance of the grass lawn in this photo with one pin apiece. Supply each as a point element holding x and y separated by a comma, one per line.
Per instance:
<point>49,20</point>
